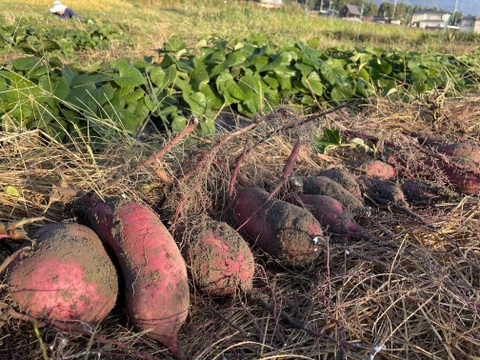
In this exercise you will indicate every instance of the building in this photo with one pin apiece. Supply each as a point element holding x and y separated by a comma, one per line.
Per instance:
<point>470,24</point>
<point>430,19</point>
<point>350,12</point>
<point>270,3</point>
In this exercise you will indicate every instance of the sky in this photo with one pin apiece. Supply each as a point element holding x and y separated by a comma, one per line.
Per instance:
<point>466,7</point>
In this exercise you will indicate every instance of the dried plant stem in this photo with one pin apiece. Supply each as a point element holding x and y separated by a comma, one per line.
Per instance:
<point>74,327</point>
<point>16,255</point>
<point>287,170</point>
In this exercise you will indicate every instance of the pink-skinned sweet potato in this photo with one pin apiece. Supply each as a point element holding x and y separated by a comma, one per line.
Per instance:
<point>460,151</point>
<point>323,185</point>
<point>344,178</point>
<point>154,272</point>
<point>287,232</point>
<point>219,259</point>
<point>376,169</point>
<point>329,212</point>
<point>466,179</point>
<point>68,276</point>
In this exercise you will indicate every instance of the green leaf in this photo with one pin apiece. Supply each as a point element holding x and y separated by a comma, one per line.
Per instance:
<point>128,75</point>
<point>235,58</point>
<point>214,100</point>
<point>284,75</point>
<point>174,45</point>
<point>341,93</point>
<point>26,63</point>
<point>227,87</point>
<point>196,100</point>
<point>10,190</point>
<point>179,123</point>
<point>333,70</point>
<point>50,45</point>
<point>315,83</point>
<point>330,138</point>
<point>199,77</point>
<point>157,75</point>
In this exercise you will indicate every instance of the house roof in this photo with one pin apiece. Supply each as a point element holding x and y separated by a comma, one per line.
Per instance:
<point>353,9</point>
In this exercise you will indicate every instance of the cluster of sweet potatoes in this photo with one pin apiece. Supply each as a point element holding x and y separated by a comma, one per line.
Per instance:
<point>72,273</point>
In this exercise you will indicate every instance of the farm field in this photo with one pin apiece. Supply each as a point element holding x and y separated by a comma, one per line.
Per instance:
<point>178,105</point>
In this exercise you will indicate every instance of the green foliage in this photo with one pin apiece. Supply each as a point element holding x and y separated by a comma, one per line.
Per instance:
<point>249,77</point>
<point>331,138</point>
<point>86,34</point>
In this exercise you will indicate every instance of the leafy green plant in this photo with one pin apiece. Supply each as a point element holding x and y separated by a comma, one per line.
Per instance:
<point>249,77</point>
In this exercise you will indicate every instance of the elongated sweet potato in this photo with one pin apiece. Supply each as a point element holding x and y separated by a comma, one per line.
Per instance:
<point>68,276</point>
<point>460,151</point>
<point>287,232</point>
<point>219,259</point>
<point>323,185</point>
<point>465,179</point>
<point>344,178</point>
<point>154,271</point>
<point>422,192</point>
<point>329,212</point>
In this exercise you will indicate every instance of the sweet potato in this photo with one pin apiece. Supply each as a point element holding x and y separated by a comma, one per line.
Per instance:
<point>322,185</point>
<point>219,259</point>
<point>153,268</point>
<point>329,212</point>
<point>68,277</point>
<point>423,192</point>
<point>460,151</point>
<point>287,232</point>
<point>466,179</point>
<point>376,169</point>
<point>344,178</point>
<point>383,192</point>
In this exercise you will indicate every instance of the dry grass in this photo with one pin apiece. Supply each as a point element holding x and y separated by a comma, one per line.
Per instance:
<point>411,292</point>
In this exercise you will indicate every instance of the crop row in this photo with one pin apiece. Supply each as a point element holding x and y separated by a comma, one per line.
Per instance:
<point>249,77</point>
<point>86,34</point>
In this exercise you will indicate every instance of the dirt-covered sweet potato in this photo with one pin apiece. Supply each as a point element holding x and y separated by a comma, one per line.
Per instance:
<point>323,185</point>
<point>383,192</point>
<point>154,272</point>
<point>344,178</point>
<point>329,212</point>
<point>219,259</point>
<point>68,276</point>
<point>423,192</point>
<point>287,232</point>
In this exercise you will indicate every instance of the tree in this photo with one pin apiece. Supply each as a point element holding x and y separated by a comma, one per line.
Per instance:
<point>385,9</point>
<point>370,8</point>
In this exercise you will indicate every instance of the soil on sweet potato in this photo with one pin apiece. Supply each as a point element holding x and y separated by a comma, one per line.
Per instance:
<point>67,276</point>
<point>219,259</point>
<point>294,246</point>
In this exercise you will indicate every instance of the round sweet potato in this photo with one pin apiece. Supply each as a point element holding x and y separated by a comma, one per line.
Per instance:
<point>220,260</point>
<point>68,276</point>
<point>376,169</point>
